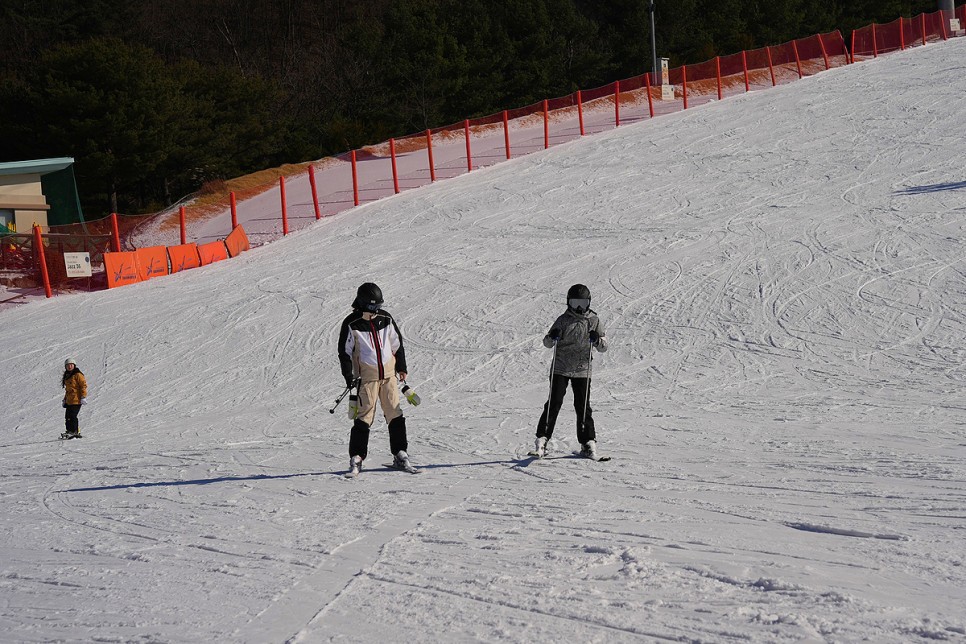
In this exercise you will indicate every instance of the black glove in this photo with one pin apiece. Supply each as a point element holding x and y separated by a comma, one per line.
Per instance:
<point>554,334</point>
<point>349,382</point>
<point>594,337</point>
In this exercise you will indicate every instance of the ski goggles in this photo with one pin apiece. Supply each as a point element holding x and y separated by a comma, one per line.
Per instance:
<point>580,304</point>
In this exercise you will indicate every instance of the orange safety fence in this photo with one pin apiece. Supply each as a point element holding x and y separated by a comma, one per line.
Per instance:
<point>121,268</point>
<point>899,34</point>
<point>152,262</point>
<point>212,252</point>
<point>237,241</point>
<point>183,257</point>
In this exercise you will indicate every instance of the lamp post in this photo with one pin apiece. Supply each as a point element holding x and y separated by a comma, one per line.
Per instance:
<point>653,44</point>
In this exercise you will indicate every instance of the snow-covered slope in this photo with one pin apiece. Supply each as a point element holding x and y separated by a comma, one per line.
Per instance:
<point>781,277</point>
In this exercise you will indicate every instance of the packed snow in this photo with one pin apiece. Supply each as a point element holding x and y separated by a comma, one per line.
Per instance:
<point>781,278</point>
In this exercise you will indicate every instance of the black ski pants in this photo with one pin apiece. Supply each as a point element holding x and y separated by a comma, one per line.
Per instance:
<point>581,389</point>
<point>70,418</point>
<point>359,437</point>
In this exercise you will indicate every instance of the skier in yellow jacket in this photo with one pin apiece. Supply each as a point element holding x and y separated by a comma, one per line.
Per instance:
<point>75,395</point>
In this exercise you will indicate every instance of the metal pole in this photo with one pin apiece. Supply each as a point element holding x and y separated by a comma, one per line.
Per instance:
<point>654,46</point>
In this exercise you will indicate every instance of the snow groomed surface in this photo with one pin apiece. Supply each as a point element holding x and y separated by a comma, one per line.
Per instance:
<point>781,278</point>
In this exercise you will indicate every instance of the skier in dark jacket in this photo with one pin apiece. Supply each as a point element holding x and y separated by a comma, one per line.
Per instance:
<point>573,336</point>
<point>75,395</point>
<point>373,358</point>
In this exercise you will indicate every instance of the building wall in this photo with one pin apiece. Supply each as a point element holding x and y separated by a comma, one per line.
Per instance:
<point>23,194</point>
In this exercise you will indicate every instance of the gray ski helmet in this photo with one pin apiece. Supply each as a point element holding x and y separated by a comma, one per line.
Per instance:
<point>368,298</point>
<point>69,361</point>
<point>578,298</point>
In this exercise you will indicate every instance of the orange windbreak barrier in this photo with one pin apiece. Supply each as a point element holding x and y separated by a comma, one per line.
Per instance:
<point>899,34</point>
<point>152,262</point>
<point>184,257</point>
<point>212,252</point>
<point>237,241</point>
<point>121,268</point>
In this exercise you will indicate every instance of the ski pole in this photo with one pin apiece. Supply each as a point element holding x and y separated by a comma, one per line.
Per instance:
<point>590,372</point>
<point>553,360</point>
<point>344,394</point>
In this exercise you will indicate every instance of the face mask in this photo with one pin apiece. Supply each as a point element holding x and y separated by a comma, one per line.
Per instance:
<point>581,305</point>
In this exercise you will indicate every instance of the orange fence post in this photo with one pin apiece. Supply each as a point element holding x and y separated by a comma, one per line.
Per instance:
<point>771,68</point>
<point>469,155</point>
<point>546,125</point>
<point>684,84</point>
<point>617,103</point>
<point>234,210</point>
<point>902,36</point>
<point>922,23</point>
<point>315,192</point>
<point>506,133</point>
<point>824,53</point>
<point>429,151</point>
<point>395,173</point>
<point>717,66</point>
<point>39,244</point>
<point>355,180</point>
<point>798,62</point>
<point>875,45</point>
<point>184,231</point>
<point>115,233</point>
<point>650,101</point>
<point>744,65</point>
<point>281,188</point>
<point>580,112</point>
<point>942,23</point>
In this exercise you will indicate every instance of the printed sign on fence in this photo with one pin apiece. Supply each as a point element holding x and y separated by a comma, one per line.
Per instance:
<point>78,264</point>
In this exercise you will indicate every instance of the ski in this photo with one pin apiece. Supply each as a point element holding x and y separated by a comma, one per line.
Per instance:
<point>66,437</point>
<point>403,468</point>
<point>599,458</point>
<point>534,455</point>
<point>350,475</point>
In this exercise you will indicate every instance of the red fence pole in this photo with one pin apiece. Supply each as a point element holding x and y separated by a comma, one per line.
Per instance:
<point>115,233</point>
<point>281,187</point>
<point>234,209</point>
<point>469,155</point>
<point>798,62</point>
<point>824,53</point>
<point>39,244</point>
<point>395,174</point>
<point>717,65</point>
<point>506,133</point>
<point>315,193</point>
<point>875,45</point>
<point>355,180</point>
<point>902,35</point>
<point>744,65</point>
<point>942,23</point>
<point>546,125</point>
<point>647,88</point>
<point>771,68</point>
<point>923,27</point>
<point>580,112</point>
<point>617,103</point>
<point>684,84</point>
<point>184,232</point>
<point>429,152</point>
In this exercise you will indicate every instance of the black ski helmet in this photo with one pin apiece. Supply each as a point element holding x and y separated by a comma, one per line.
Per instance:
<point>578,298</point>
<point>368,298</point>
<point>578,291</point>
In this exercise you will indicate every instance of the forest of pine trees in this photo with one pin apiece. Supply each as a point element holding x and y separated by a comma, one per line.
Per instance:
<point>153,99</point>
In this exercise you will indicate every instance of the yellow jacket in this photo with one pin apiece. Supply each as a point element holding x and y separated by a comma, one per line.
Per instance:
<point>76,388</point>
